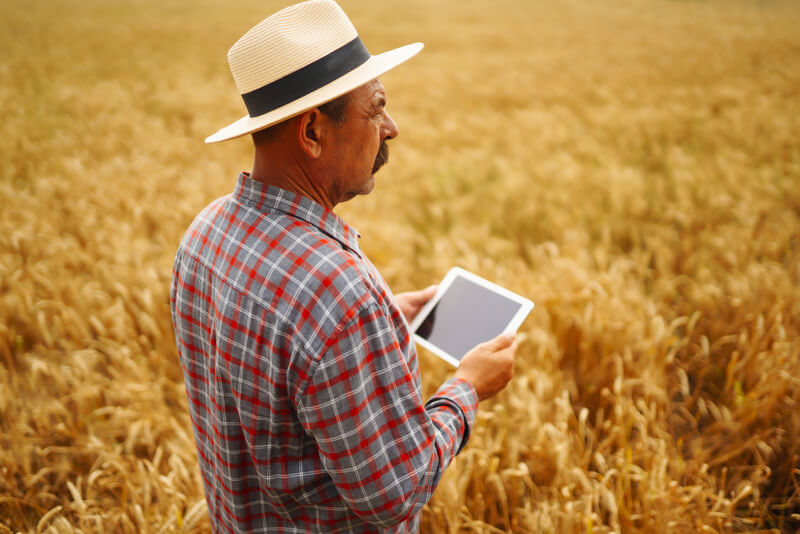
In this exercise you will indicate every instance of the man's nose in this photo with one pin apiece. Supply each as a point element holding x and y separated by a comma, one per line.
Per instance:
<point>390,129</point>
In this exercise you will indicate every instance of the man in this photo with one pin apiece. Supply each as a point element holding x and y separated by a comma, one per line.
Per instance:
<point>300,371</point>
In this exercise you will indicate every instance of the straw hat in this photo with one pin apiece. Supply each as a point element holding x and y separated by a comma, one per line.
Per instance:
<point>300,57</point>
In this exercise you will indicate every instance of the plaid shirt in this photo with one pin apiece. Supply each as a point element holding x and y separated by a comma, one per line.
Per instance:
<point>301,374</point>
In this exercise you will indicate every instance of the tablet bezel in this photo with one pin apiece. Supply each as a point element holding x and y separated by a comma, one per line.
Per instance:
<point>526,306</point>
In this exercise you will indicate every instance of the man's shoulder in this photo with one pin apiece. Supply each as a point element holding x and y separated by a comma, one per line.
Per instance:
<point>309,283</point>
<point>318,272</point>
<point>202,224</point>
<point>275,259</point>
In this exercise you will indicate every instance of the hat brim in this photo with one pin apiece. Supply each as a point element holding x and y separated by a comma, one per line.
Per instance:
<point>369,70</point>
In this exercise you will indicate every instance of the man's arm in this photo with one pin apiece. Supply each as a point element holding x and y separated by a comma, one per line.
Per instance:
<point>384,449</point>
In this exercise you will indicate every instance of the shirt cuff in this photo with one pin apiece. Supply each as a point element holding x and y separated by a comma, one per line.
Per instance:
<point>460,397</point>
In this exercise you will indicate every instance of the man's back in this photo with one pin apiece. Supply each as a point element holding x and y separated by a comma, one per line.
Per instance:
<point>301,375</point>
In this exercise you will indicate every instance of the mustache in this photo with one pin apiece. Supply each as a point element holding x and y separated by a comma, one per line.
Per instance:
<point>382,157</point>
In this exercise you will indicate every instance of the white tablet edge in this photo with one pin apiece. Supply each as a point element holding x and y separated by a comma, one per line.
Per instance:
<point>526,306</point>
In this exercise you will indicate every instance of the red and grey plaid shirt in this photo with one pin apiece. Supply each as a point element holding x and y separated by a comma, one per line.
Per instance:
<point>301,374</point>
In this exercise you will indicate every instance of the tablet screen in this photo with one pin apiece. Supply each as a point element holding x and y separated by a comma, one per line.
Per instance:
<point>467,314</point>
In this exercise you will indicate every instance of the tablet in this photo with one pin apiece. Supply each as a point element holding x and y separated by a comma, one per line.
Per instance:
<point>467,310</point>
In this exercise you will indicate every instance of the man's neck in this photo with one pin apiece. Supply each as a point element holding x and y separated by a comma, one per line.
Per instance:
<point>280,171</point>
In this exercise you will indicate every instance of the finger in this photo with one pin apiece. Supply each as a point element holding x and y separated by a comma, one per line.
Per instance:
<point>423,295</point>
<point>509,352</point>
<point>512,355</point>
<point>500,342</point>
<point>428,292</point>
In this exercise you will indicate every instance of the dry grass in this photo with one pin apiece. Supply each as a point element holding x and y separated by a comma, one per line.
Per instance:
<point>633,167</point>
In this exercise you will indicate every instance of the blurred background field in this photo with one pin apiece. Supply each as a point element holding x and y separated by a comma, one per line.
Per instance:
<point>633,167</point>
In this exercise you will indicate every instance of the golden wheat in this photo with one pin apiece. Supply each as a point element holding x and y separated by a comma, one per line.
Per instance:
<point>633,167</point>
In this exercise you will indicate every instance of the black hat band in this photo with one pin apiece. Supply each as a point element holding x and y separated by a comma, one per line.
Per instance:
<point>307,79</point>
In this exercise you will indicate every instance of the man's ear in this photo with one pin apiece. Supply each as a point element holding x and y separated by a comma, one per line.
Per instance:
<point>309,132</point>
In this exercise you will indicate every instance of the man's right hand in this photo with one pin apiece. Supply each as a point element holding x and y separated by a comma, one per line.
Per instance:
<point>489,366</point>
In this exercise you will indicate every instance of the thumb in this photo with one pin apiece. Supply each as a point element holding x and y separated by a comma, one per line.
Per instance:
<point>500,342</point>
<point>424,295</point>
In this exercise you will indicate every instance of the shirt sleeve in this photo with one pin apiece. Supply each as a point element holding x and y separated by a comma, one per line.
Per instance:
<point>384,449</point>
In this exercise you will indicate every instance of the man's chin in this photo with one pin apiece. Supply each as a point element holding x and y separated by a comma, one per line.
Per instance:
<point>367,188</point>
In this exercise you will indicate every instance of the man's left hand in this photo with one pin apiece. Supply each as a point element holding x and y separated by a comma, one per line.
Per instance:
<point>412,301</point>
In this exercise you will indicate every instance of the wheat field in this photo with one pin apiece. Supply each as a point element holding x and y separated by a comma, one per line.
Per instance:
<point>632,167</point>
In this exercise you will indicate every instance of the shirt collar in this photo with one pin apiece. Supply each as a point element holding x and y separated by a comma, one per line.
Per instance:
<point>266,198</point>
